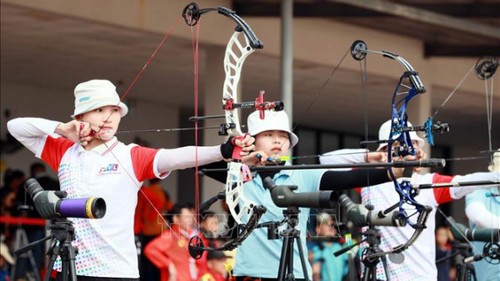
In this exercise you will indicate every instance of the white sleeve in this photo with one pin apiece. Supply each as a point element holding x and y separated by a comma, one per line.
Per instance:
<point>185,157</point>
<point>478,214</point>
<point>344,156</point>
<point>459,192</point>
<point>32,132</point>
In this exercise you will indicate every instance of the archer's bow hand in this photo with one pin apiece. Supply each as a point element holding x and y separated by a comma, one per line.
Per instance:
<point>376,157</point>
<point>400,172</point>
<point>238,147</point>
<point>246,144</point>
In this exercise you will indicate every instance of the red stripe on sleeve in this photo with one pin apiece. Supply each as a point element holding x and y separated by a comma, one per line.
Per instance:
<point>442,194</point>
<point>53,151</point>
<point>142,160</point>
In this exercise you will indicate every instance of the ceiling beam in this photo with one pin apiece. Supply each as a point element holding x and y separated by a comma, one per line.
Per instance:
<point>444,50</point>
<point>424,16</point>
<point>331,9</point>
<point>462,10</point>
<point>324,9</point>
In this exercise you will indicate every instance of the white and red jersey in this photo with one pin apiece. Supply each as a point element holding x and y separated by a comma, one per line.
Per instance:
<point>419,263</point>
<point>112,171</point>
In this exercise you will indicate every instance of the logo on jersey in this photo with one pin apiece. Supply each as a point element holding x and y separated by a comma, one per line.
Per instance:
<point>109,169</point>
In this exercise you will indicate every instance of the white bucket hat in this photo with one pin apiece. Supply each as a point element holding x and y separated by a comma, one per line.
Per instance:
<point>96,93</point>
<point>273,121</point>
<point>385,130</point>
<point>4,252</point>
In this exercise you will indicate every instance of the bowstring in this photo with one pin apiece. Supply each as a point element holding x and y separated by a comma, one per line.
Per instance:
<point>489,117</point>
<point>195,38</point>
<point>323,87</point>
<point>489,111</point>
<point>453,92</point>
<point>316,96</point>
<point>364,77</point>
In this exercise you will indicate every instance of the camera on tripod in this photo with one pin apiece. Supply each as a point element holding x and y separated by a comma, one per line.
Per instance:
<point>364,215</point>
<point>51,204</point>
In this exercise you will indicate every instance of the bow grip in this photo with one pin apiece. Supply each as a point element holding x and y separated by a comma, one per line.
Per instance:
<point>236,148</point>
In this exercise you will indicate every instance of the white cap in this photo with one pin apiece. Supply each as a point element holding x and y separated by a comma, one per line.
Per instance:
<point>385,130</point>
<point>4,252</point>
<point>273,121</point>
<point>94,94</point>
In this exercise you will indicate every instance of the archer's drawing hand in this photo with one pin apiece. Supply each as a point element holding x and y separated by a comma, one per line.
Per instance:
<point>76,131</point>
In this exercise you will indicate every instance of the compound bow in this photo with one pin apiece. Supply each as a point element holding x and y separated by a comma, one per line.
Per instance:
<point>408,87</point>
<point>242,44</point>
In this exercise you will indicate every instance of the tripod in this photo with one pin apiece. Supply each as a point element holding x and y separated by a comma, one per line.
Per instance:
<point>63,233</point>
<point>370,271</point>
<point>373,239</point>
<point>290,235</point>
<point>465,268</point>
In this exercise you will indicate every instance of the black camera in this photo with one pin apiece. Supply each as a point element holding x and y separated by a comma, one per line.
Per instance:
<point>283,196</point>
<point>51,204</point>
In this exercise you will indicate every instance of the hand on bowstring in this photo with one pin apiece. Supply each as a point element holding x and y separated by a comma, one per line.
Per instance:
<point>76,131</point>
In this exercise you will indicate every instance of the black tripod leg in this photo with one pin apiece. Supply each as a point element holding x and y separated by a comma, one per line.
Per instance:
<point>53,256</point>
<point>284,258</point>
<point>289,267</point>
<point>65,270</point>
<point>386,270</point>
<point>302,259</point>
<point>366,273</point>
<point>72,258</point>
<point>462,272</point>
<point>370,273</point>
<point>473,272</point>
